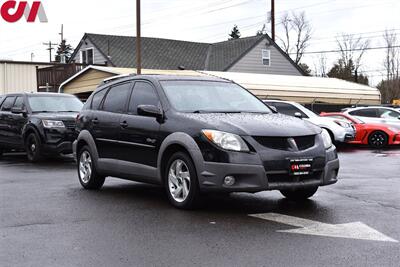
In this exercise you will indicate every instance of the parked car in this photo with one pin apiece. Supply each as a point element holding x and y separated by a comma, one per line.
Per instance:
<point>42,124</point>
<point>339,130</point>
<point>197,135</point>
<point>388,116</point>
<point>376,135</point>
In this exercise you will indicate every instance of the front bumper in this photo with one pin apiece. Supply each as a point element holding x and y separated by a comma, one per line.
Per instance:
<point>58,141</point>
<point>255,178</point>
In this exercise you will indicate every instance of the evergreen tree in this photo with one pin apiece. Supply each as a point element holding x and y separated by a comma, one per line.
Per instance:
<point>347,72</point>
<point>65,50</point>
<point>235,34</point>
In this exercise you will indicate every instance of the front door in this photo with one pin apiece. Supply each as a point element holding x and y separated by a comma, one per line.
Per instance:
<point>140,134</point>
<point>17,123</point>
<point>6,123</point>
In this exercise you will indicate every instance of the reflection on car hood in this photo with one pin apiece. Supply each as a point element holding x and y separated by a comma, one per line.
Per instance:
<point>256,124</point>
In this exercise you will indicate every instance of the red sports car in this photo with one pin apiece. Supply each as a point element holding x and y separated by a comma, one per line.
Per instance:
<point>373,134</point>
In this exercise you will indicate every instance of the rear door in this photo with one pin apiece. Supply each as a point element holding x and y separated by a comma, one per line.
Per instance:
<point>106,119</point>
<point>140,134</point>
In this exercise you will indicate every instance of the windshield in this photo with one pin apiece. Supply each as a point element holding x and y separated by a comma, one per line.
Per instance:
<point>211,97</point>
<point>54,104</point>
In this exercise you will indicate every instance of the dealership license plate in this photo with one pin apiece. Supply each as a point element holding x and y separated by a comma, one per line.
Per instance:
<point>300,167</point>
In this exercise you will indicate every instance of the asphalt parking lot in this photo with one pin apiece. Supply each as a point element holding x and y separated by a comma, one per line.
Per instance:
<point>47,219</point>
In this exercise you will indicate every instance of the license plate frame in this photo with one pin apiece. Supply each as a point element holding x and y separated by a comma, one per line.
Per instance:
<point>301,167</point>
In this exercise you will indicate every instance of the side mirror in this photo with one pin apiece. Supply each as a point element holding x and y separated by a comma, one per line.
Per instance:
<point>298,115</point>
<point>18,111</point>
<point>149,111</point>
<point>398,117</point>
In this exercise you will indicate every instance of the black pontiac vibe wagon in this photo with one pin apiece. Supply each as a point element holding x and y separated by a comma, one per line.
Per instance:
<point>195,135</point>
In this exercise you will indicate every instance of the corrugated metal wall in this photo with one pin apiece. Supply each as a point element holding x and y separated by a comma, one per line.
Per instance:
<point>16,78</point>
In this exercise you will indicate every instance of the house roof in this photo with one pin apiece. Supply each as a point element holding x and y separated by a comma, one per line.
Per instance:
<point>158,53</point>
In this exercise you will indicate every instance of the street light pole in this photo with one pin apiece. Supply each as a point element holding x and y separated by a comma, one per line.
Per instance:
<point>138,41</point>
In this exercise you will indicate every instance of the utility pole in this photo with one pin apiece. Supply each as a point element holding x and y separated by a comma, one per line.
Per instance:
<point>62,33</point>
<point>138,41</point>
<point>50,44</point>
<point>273,20</point>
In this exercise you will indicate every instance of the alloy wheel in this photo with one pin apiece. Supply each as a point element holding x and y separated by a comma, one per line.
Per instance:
<point>85,167</point>
<point>378,140</point>
<point>179,180</point>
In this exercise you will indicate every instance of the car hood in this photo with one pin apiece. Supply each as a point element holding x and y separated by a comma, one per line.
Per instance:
<point>256,124</point>
<point>56,115</point>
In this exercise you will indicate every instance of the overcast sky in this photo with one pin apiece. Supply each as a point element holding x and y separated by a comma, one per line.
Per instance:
<point>203,21</point>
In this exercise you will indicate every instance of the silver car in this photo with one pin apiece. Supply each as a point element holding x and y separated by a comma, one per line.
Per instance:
<point>385,115</point>
<point>340,130</point>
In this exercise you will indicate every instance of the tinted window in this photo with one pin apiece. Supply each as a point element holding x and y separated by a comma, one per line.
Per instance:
<point>8,103</point>
<point>368,112</point>
<point>116,98</point>
<point>19,102</point>
<point>97,98</point>
<point>286,109</point>
<point>143,94</point>
<point>388,114</point>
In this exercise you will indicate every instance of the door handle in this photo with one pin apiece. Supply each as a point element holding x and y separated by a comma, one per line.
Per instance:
<point>95,121</point>
<point>124,124</point>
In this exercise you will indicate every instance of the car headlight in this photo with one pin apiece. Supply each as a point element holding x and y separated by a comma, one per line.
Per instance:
<point>326,137</point>
<point>343,124</point>
<point>226,141</point>
<point>53,124</point>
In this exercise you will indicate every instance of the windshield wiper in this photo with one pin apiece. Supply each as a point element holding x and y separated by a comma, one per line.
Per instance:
<point>218,111</point>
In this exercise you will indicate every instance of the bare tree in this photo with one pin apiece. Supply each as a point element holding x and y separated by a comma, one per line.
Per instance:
<point>390,88</point>
<point>296,27</point>
<point>352,50</point>
<point>287,27</point>
<point>321,66</point>
<point>392,59</point>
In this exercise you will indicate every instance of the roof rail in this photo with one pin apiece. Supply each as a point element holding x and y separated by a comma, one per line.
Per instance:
<point>113,78</point>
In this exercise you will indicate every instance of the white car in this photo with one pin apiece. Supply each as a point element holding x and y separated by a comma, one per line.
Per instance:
<point>340,130</point>
<point>388,116</point>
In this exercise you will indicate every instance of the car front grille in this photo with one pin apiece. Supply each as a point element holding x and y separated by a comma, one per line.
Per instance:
<point>69,124</point>
<point>285,143</point>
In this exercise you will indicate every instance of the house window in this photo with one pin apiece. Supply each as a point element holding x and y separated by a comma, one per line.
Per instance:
<point>266,57</point>
<point>87,56</point>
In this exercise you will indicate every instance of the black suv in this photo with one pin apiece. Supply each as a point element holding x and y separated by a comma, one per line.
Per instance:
<point>197,135</point>
<point>42,124</point>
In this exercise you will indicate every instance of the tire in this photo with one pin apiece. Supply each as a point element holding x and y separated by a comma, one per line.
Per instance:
<point>181,182</point>
<point>299,194</point>
<point>33,148</point>
<point>88,176</point>
<point>378,139</point>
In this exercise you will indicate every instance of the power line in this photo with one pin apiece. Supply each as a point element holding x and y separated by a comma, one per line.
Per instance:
<point>349,50</point>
